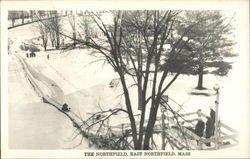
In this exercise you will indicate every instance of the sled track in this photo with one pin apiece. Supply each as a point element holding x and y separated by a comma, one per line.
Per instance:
<point>47,99</point>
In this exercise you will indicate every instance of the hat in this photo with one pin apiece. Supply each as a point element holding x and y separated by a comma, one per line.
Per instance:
<point>212,107</point>
<point>199,110</point>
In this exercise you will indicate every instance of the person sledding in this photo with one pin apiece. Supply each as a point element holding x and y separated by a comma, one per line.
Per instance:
<point>65,107</point>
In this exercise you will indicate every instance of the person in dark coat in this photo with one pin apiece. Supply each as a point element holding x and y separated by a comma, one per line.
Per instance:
<point>199,128</point>
<point>65,107</point>
<point>209,129</point>
<point>212,114</point>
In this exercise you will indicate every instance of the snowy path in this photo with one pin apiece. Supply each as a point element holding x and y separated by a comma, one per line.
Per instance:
<point>56,92</point>
<point>32,123</point>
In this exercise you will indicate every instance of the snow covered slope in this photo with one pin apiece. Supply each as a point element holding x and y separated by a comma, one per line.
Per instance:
<point>85,83</point>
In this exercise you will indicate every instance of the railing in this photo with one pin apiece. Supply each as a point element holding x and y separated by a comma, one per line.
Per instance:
<point>224,139</point>
<point>227,135</point>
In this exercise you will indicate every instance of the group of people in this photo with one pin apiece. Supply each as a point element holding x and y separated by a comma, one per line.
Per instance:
<point>210,125</point>
<point>32,54</point>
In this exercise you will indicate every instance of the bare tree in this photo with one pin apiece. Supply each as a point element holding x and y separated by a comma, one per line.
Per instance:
<point>54,23</point>
<point>85,26</point>
<point>72,22</point>
<point>134,43</point>
<point>32,12</point>
<point>140,35</point>
<point>13,15</point>
<point>44,33</point>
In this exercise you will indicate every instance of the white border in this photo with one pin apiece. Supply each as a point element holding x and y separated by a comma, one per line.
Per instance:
<point>242,8</point>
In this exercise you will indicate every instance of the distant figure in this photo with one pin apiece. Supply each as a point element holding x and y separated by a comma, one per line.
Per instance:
<point>32,54</point>
<point>27,55</point>
<point>65,107</point>
<point>48,57</point>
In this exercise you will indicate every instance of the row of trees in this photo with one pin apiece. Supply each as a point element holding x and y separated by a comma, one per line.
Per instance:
<point>149,45</point>
<point>50,25</point>
<point>14,15</point>
<point>49,29</point>
<point>32,15</point>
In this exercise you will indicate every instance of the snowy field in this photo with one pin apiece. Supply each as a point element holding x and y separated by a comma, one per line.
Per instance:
<point>85,83</point>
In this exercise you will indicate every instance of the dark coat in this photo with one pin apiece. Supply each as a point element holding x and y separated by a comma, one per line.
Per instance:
<point>212,115</point>
<point>199,128</point>
<point>65,107</point>
<point>209,127</point>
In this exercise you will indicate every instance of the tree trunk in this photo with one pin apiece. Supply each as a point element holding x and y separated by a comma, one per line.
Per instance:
<point>74,31</point>
<point>22,16</point>
<point>31,15</point>
<point>52,38</point>
<point>86,33</point>
<point>13,22</point>
<point>44,38</point>
<point>200,77</point>
<point>151,122</point>
<point>148,133</point>
<point>130,112</point>
<point>57,40</point>
<point>74,37</point>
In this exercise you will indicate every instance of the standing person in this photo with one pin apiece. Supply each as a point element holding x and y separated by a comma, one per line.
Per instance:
<point>209,129</point>
<point>210,126</point>
<point>48,57</point>
<point>212,114</point>
<point>200,126</point>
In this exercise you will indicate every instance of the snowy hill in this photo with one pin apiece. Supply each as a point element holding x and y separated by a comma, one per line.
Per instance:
<point>85,83</point>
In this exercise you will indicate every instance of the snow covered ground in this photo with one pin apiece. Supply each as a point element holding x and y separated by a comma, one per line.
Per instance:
<point>85,83</point>
<point>82,79</point>
<point>32,123</point>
